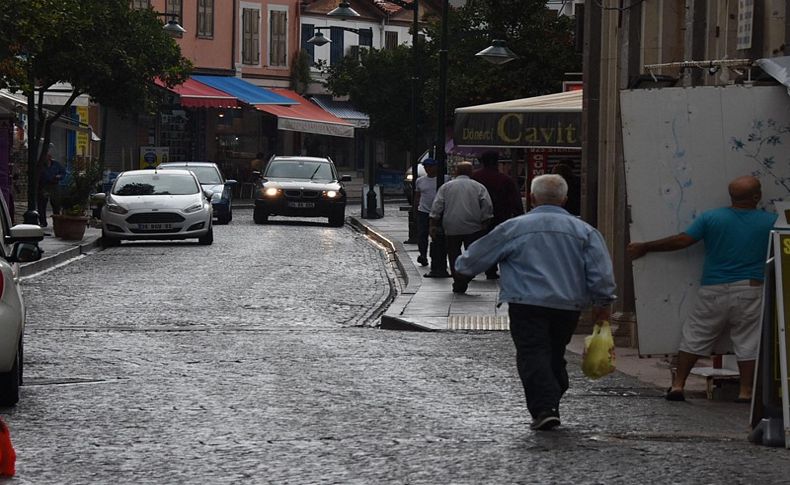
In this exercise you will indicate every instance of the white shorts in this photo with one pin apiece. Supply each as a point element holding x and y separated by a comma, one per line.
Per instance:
<point>735,306</point>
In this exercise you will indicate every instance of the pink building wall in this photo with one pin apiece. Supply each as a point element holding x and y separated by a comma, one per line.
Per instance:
<point>222,53</point>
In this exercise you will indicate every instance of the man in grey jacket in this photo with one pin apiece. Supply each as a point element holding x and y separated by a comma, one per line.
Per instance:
<point>463,210</point>
<point>553,265</point>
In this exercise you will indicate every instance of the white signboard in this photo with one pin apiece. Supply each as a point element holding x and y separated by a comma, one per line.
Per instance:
<point>682,147</point>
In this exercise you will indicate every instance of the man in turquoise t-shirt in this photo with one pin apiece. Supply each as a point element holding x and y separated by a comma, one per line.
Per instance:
<point>736,241</point>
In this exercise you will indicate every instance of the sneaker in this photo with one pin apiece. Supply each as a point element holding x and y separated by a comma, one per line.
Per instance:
<point>422,260</point>
<point>546,420</point>
<point>460,287</point>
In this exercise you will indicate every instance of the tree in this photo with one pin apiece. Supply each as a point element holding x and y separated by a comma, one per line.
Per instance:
<point>379,82</point>
<point>101,47</point>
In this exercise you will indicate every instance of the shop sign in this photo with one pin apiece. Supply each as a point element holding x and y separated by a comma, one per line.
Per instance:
<point>514,129</point>
<point>151,157</point>
<point>82,135</point>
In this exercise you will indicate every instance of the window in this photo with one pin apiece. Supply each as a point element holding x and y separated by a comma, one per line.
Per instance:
<point>278,36</point>
<point>308,31</point>
<point>173,10</point>
<point>390,40</point>
<point>205,18</point>
<point>336,49</point>
<point>140,4</point>
<point>366,37</point>
<point>250,36</point>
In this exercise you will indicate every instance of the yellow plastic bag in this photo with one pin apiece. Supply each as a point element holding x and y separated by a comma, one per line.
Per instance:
<point>598,358</point>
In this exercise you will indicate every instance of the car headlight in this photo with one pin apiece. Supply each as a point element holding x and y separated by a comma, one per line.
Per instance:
<point>216,197</point>
<point>409,177</point>
<point>271,192</point>
<point>112,206</point>
<point>331,193</point>
<point>194,208</point>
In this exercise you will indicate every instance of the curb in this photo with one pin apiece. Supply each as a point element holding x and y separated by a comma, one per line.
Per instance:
<point>43,264</point>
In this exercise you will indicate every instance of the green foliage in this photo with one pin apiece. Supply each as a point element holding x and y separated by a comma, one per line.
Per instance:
<point>300,72</point>
<point>101,47</point>
<point>81,183</point>
<point>379,83</point>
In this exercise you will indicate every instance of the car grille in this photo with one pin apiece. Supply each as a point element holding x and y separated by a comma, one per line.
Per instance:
<point>154,231</point>
<point>154,217</point>
<point>302,194</point>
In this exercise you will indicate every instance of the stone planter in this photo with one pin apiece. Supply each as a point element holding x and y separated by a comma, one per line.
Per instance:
<point>70,228</point>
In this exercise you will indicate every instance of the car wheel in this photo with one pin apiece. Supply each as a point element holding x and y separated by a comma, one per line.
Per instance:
<point>259,216</point>
<point>223,219</point>
<point>10,381</point>
<point>108,241</point>
<point>207,238</point>
<point>338,218</point>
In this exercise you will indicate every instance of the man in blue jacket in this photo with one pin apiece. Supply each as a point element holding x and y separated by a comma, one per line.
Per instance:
<point>50,175</point>
<point>553,265</point>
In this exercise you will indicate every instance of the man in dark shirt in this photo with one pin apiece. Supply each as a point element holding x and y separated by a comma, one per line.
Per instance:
<point>503,192</point>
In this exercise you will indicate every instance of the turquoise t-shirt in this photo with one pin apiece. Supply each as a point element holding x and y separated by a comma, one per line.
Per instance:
<point>736,243</point>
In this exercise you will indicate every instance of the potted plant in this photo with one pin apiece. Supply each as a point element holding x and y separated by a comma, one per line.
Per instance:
<point>74,199</point>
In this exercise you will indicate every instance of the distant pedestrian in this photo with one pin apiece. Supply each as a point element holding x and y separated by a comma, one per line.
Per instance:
<point>553,266</point>
<point>564,168</point>
<point>461,210</point>
<point>504,194</point>
<point>257,163</point>
<point>424,193</point>
<point>730,294</point>
<point>51,172</point>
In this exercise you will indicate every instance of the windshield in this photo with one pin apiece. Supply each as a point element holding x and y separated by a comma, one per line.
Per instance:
<point>299,169</point>
<point>206,174</point>
<point>156,184</point>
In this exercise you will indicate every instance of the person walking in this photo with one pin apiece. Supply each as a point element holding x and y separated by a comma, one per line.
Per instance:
<point>462,210</point>
<point>730,293</point>
<point>424,193</point>
<point>503,192</point>
<point>553,265</point>
<point>50,175</point>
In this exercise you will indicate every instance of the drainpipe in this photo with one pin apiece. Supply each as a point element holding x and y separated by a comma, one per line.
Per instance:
<point>233,38</point>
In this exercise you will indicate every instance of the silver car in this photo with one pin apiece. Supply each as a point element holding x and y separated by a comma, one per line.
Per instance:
<point>156,204</point>
<point>18,244</point>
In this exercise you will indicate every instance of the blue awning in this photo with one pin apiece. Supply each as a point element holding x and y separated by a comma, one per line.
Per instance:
<point>243,90</point>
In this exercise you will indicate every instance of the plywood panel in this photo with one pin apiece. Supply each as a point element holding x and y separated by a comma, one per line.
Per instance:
<point>682,146</point>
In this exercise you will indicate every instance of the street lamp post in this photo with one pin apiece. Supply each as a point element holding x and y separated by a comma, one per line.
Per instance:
<point>441,109</point>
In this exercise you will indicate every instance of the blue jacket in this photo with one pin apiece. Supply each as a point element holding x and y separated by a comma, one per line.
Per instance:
<point>547,258</point>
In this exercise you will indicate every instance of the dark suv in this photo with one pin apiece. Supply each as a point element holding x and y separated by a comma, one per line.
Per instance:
<point>301,187</point>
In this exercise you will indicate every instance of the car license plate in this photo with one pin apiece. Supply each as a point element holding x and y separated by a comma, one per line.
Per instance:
<point>154,227</point>
<point>301,205</point>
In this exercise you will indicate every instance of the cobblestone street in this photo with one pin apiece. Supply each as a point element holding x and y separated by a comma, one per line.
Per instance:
<point>253,361</point>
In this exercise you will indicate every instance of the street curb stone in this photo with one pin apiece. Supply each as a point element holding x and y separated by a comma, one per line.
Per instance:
<point>48,262</point>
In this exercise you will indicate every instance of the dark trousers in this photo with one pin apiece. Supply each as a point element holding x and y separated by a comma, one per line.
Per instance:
<point>541,335</point>
<point>47,194</point>
<point>438,255</point>
<point>423,228</point>
<point>454,244</point>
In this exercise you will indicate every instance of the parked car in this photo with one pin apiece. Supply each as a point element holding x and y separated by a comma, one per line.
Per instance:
<point>18,244</point>
<point>210,177</point>
<point>301,187</point>
<point>156,204</point>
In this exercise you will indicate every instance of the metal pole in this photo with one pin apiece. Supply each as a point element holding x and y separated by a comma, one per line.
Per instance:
<point>415,130</point>
<point>441,156</point>
<point>31,214</point>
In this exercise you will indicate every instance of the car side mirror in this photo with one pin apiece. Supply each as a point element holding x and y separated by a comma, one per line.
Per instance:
<point>100,197</point>
<point>25,252</point>
<point>208,194</point>
<point>230,182</point>
<point>25,233</point>
<point>345,178</point>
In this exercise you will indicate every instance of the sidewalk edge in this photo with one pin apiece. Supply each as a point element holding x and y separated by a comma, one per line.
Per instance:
<point>48,262</point>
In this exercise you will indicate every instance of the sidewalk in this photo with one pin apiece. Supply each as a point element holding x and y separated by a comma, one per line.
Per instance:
<point>428,304</point>
<point>57,251</point>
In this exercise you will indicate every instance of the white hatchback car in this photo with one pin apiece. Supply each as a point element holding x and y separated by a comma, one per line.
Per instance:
<point>156,204</point>
<point>18,244</point>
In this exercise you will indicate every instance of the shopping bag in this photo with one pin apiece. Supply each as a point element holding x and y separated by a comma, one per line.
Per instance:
<point>598,358</point>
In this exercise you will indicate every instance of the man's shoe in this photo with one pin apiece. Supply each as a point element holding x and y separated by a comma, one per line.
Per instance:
<point>460,287</point>
<point>422,260</point>
<point>676,396</point>
<point>546,420</point>
<point>432,274</point>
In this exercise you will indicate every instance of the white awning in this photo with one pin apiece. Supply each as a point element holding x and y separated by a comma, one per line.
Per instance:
<point>59,93</point>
